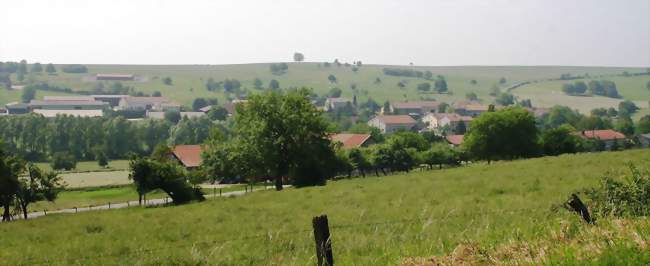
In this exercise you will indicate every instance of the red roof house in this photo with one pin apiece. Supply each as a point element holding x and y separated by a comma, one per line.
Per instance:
<point>455,140</point>
<point>188,155</point>
<point>602,134</point>
<point>350,141</point>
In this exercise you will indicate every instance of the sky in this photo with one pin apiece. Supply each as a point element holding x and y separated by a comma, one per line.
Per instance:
<point>433,32</point>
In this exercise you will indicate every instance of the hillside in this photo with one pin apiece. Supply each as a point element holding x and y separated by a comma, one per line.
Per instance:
<point>374,220</point>
<point>189,81</point>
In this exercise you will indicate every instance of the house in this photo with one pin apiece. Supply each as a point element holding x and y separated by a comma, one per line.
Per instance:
<point>608,136</point>
<point>332,104</point>
<point>68,104</point>
<point>455,140</point>
<point>472,109</point>
<point>417,108</point>
<point>132,103</point>
<point>644,140</point>
<point>161,115</point>
<point>187,155</point>
<point>122,77</point>
<point>49,113</point>
<point>16,108</point>
<point>3,111</point>
<point>206,109</point>
<point>350,141</point>
<point>450,120</point>
<point>112,100</point>
<point>390,123</point>
<point>69,98</point>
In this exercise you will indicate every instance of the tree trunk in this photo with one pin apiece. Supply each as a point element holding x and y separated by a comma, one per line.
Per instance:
<point>349,174</point>
<point>383,171</point>
<point>376,171</point>
<point>6,216</point>
<point>278,183</point>
<point>24,207</point>
<point>440,166</point>
<point>139,199</point>
<point>362,173</point>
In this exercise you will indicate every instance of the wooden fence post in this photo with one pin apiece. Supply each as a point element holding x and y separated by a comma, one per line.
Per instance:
<point>75,210</point>
<point>220,192</point>
<point>214,191</point>
<point>128,203</point>
<point>109,205</point>
<point>45,212</point>
<point>323,241</point>
<point>576,204</point>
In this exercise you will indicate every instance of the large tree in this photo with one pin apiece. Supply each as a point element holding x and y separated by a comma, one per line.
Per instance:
<point>282,135</point>
<point>298,57</point>
<point>10,169</point>
<point>505,134</point>
<point>37,186</point>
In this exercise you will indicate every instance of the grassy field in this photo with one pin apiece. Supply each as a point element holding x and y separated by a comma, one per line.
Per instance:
<point>374,221</point>
<point>189,80</point>
<point>104,195</point>
<point>87,166</point>
<point>96,179</point>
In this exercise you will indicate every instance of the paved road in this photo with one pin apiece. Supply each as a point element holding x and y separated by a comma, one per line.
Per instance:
<point>149,202</point>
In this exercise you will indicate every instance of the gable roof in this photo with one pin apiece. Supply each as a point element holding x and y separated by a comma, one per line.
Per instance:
<point>395,119</point>
<point>188,155</point>
<point>602,134</point>
<point>455,139</point>
<point>350,140</point>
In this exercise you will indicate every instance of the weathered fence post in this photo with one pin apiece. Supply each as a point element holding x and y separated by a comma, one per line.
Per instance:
<point>220,192</point>
<point>323,241</point>
<point>75,210</point>
<point>45,212</point>
<point>576,204</point>
<point>128,203</point>
<point>109,205</point>
<point>214,191</point>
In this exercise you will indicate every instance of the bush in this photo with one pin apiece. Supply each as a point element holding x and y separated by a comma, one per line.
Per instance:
<point>74,69</point>
<point>629,197</point>
<point>63,160</point>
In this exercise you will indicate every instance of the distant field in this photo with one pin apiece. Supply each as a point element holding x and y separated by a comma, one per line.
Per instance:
<point>96,179</point>
<point>373,221</point>
<point>189,80</point>
<point>91,166</point>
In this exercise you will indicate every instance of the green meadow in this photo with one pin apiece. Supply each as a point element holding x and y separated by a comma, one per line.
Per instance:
<point>503,208</point>
<point>189,81</point>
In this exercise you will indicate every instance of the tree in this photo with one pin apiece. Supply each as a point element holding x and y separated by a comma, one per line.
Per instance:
<point>401,84</point>
<point>495,90</point>
<point>199,103</point>
<point>428,75</point>
<point>231,85</point>
<point>279,69</point>
<point>580,87</point>
<point>280,136</point>
<point>335,93</point>
<point>173,116</point>
<point>461,128</point>
<point>38,186</point>
<point>359,160</point>
<point>502,80</point>
<point>11,168</point>
<point>298,57</point>
<point>29,93</point>
<point>625,125</point>
<point>505,134</point>
<point>473,82</point>
<point>257,84</point>
<point>150,174</point>
<point>505,99</point>
<point>441,85</point>
<point>471,96</point>
<point>644,125</point>
<point>274,84</point>
<point>37,68</point>
<point>63,160</point>
<point>386,108</point>
<point>627,108</point>
<point>424,87</point>
<point>438,154</point>
<point>217,113</point>
<point>647,85</point>
<point>102,159</point>
<point>167,81</point>
<point>331,78</point>
<point>155,94</point>
<point>556,141</point>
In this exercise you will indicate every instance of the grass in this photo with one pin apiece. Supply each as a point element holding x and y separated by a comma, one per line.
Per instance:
<point>374,221</point>
<point>96,179</point>
<point>103,195</point>
<point>88,166</point>
<point>189,80</point>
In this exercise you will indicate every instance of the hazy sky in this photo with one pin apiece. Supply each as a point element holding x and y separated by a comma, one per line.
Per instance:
<point>434,32</point>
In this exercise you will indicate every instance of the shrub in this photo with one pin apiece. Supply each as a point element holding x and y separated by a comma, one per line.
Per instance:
<point>74,69</point>
<point>63,160</point>
<point>629,197</point>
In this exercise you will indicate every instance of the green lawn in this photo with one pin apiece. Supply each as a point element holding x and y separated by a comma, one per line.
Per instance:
<point>374,221</point>
<point>189,80</point>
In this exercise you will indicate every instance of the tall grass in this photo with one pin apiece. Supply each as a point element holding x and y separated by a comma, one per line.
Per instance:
<point>374,221</point>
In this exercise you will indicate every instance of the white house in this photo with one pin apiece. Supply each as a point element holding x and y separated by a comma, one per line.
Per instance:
<point>440,120</point>
<point>392,123</point>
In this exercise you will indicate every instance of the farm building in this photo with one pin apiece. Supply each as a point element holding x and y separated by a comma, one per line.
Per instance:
<point>644,140</point>
<point>332,104</point>
<point>455,140</point>
<point>231,107</point>
<point>418,108</point>
<point>608,136</point>
<point>187,155</point>
<point>449,120</point>
<point>17,108</point>
<point>391,123</point>
<point>161,115</point>
<point>350,141</point>
<point>49,113</point>
<point>471,108</point>
<point>122,77</point>
<point>68,105</point>
<point>147,103</point>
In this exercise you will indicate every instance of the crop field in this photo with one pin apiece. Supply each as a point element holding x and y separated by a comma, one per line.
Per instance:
<point>96,179</point>
<point>86,166</point>
<point>189,80</point>
<point>507,210</point>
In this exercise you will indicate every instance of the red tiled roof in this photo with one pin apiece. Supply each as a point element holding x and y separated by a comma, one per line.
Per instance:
<point>604,134</point>
<point>455,139</point>
<point>188,155</point>
<point>415,105</point>
<point>350,140</point>
<point>396,119</point>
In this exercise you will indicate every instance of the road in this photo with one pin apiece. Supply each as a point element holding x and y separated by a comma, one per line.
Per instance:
<point>149,202</point>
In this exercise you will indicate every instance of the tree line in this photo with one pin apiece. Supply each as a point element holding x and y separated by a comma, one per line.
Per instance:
<point>595,87</point>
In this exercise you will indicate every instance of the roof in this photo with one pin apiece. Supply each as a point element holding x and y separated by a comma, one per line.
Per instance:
<point>68,98</point>
<point>161,115</point>
<point>602,134</point>
<point>415,105</point>
<point>350,140</point>
<point>476,107</point>
<point>110,75</point>
<point>230,107</point>
<point>188,155</point>
<point>16,105</point>
<point>81,113</point>
<point>67,102</point>
<point>339,100</point>
<point>455,139</point>
<point>395,119</point>
<point>134,99</point>
<point>452,117</point>
<point>206,109</point>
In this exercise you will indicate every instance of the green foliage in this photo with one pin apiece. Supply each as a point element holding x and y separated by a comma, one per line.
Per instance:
<point>620,197</point>
<point>502,80</point>
<point>217,113</point>
<point>150,174</point>
<point>556,141</point>
<point>335,93</point>
<point>401,72</point>
<point>102,159</point>
<point>627,108</point>
<point>74,69</point>
<point>441,85</point>
<point>50,69</point>
<point>190,131</point>
<point>274,84</point>
<point>37,186</point>
<point>29,93</point>
<point>424,87</point>
<point>37,68</point>
<point>298,57</point>
<point>644,125</point>
<point>258,84</point>
<point>331,78</point>
<point>173,116</point>
<point>471,96</point>
<point>279,68</point>
<point>167,81</point>
<point>505,99</point>
<point>603,88</point>
<point>63,160</point>
<point>505,134</point>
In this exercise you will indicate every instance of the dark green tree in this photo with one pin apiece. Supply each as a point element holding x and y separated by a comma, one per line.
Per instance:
<point>37,186</point>
<point>298,57</point>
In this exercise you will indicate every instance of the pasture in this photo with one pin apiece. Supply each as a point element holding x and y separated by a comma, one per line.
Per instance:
<point>374,221</point>
<point>189,80</point>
